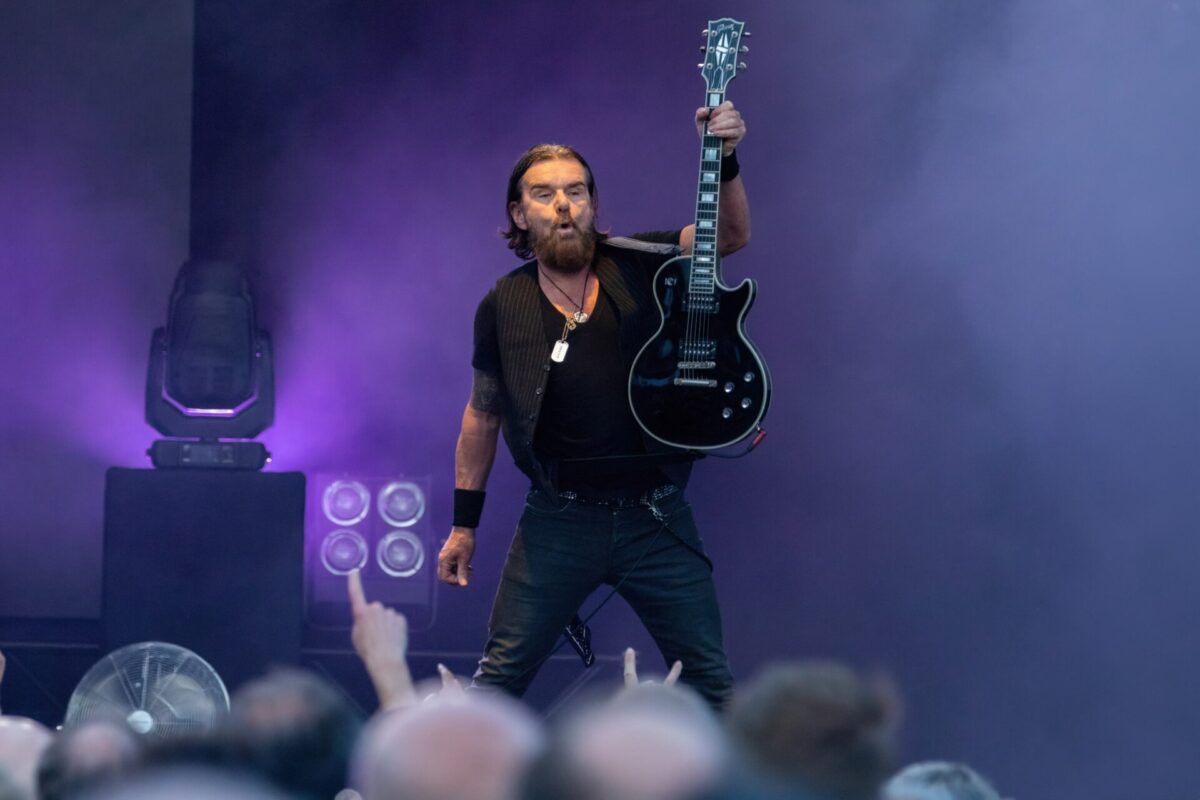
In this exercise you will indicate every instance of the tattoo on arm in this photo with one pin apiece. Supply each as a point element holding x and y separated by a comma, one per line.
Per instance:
<point>486,394</point>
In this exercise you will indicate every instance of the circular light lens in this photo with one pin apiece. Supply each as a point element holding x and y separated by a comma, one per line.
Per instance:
<point>343,551</point>
<point>400,554</point>
<point>346,502</point>
<point>401,503</point>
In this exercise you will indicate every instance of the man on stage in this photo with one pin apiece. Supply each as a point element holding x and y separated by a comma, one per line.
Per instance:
<point>554,341</point>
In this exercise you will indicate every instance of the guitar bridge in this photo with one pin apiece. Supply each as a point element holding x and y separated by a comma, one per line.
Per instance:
<point>697,365</point>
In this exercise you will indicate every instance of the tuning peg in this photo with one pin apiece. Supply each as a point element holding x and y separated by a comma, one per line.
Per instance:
<point>702,48</point>
<point>704,32</point>
<point>745,33</point>
<point>743,49</point>
<point>742,65</point>
<point>699,66</point>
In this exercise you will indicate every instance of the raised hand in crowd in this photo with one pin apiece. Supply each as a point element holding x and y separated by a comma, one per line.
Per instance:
<point>631,674</point>
<point>451,688</point>
<point>380,637</point>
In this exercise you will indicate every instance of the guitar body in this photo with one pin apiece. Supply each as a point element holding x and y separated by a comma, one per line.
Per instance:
<point>699,383</point>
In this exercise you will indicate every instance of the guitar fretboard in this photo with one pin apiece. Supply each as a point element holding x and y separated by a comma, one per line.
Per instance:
<point>708,197</point>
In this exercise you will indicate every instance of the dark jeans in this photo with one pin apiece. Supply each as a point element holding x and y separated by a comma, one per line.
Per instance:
<point>564,549</point>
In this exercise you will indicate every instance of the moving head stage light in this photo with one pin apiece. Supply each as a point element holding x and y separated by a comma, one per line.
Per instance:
<point>211,382</point>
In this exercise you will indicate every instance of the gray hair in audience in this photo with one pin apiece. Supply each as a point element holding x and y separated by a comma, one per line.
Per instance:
<point>296,730</point>
<point>87,756</point>
<point>820,726</point>
<point>938,780</point>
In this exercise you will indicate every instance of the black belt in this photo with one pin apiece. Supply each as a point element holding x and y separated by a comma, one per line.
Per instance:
<point>620,501</point>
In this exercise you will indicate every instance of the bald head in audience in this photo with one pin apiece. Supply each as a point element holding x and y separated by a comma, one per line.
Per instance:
<point>467,749</point>
<point>938,780</point>
<point>188,783</point>
<point>651,743</point>
<point>22,742</point>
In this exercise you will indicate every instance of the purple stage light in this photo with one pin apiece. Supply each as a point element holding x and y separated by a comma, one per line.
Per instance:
<point>346,502</point>
<point>343,551</point>
<point>393,547</point>
<point>400,554</point>
<point>401,503</point>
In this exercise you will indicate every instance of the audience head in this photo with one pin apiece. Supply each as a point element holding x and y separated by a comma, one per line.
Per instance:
<point>296,731</point>
<point>22,742</point>
<point>473,748</point>
<point>818,725</point>
<point>938,780</point>
<point>9,789</point>
<point>188,783</point>
<point>650,743</point>
<point>85,757</point>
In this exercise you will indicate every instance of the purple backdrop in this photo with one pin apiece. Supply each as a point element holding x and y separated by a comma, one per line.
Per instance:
<point>974,229</point>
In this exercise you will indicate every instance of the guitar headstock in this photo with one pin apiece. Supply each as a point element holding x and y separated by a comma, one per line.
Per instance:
<point>721,52</point>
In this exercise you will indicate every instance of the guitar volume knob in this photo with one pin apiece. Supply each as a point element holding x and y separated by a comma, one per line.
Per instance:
<point>726,412</point>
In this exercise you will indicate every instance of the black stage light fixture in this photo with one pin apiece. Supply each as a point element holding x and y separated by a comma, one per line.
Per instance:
<point>211,382</point>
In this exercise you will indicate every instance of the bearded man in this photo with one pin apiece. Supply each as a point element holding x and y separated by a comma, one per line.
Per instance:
<point>554,342</point>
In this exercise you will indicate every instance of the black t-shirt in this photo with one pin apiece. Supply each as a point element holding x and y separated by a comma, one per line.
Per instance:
<point>585,412</point>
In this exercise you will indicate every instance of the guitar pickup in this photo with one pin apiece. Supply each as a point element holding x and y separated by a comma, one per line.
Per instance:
<point>697,365</point>
<point>700,382</point>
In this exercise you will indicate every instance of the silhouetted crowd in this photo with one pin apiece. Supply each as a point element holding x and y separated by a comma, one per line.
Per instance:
<point>807,730</point>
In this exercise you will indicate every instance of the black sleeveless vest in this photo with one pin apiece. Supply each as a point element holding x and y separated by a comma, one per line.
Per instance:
<point>525,352</point>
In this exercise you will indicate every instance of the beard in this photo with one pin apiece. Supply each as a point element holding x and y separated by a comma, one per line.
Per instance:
<point>568,256</point>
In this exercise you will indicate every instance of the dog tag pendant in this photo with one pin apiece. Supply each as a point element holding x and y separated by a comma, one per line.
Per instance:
<point>559,353</point>
<point>581,317</point>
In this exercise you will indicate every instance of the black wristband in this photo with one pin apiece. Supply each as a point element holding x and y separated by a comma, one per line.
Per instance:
<point>729,167</point>
<point>468,507</point>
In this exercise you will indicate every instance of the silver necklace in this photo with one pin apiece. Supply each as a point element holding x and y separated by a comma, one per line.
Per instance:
<point>579,316</point>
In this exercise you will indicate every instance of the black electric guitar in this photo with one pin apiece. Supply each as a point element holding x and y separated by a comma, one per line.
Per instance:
<point>699,383</point>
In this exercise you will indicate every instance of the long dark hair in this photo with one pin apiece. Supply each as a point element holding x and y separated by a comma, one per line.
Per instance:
<point>518,240</point>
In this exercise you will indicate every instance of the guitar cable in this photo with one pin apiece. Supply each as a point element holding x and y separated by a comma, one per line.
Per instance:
<point>576,632</point>
<point>759,435</point>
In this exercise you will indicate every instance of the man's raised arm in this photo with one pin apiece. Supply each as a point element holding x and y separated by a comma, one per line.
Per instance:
<point>473,458</point>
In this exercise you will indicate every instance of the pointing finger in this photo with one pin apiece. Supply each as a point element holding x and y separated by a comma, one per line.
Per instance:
<point>358,599</point>
<point>673,676</point>
<point>450,685</point>
<point>631,678</point>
